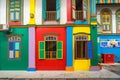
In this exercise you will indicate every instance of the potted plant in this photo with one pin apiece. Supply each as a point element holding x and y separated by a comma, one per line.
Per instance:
<point>118,58</point>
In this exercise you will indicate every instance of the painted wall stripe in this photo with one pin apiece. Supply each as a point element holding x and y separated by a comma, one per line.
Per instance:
<point>32,47</point>
<point>69,47</point>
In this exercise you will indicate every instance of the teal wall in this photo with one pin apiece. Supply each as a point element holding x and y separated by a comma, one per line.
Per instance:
<point>20,64</point>
<point>94,61</point>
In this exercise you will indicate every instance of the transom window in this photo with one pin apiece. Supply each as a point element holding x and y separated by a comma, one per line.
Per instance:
<point>14,10</point>
<point>80,38</point>
<point>106,19</point>
<point>118,21</point>
<point>50,38</point>
<point>14,43</point>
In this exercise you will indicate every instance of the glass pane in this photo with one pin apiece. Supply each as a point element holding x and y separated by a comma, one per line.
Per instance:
<point>17,4</point>
<point>11,16</point>
<point>17,16</point>
<point>17,9</point>
<point>11,54</point>
<point>17,45</point>
<point>12,9</point>
<point>16,54</point>
<point>12,4</point>
<point>47,54</point>
<point>54,54</point>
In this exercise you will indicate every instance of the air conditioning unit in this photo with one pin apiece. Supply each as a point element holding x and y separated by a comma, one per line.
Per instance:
<point>4,27</point>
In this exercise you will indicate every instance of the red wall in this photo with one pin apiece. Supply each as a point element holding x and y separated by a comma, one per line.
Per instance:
<point>42,64</point>
<point>69,11</point>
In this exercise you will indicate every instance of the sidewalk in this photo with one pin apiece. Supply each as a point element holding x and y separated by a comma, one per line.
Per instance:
<point>104,73</point>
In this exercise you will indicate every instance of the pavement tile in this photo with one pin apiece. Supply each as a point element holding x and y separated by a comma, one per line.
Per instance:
<point>104,73</point>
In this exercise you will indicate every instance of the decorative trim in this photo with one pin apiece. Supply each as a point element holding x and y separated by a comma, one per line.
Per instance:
<point>31,69</point>
<point>51,33</point>
<point>81,33</point>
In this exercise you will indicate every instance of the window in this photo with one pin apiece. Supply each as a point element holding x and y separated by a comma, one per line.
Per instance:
<point>106,19</point>
<point>79,10</point>
<point>118,21</point>
<point>15,10</point>
<point>14,47</point>
<point>83,48</point>
<point>51,10</point>
<point>50,48</point>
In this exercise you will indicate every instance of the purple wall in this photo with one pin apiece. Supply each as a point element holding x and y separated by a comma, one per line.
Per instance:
<point>31,47</point>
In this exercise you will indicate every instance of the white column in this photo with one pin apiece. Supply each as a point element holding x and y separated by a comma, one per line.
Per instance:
<point>98,17</point>
<point>113,22</point>
<point>38,12</point>
<point>26,12</point>
<point>63,11</point>
<point>3,11</point>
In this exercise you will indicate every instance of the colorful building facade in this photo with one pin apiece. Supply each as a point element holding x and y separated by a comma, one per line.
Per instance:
<point>48,35</point>
<point>108,30</point>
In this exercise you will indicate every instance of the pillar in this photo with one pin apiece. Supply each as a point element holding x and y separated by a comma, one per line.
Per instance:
<point>69,60</point>
<point>31,59</point>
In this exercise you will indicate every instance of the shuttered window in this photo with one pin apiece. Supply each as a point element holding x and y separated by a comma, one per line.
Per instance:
<point>50,48</point>
<point>14,47</point>
<point>106,19</point>
<point>15,10</point>
<point>83,47</point>
<point>51,10</point>
<point>79,10</point>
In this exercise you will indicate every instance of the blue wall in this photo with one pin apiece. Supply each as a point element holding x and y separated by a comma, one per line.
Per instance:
<point>115,51</point>
<point>69,47</point>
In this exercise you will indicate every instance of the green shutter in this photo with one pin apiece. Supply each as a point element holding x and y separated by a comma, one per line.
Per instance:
<point>73,9</point>
<point>59,50</point>
<point>57,9</point>
<point>44,9</point>
<point>42,50</point>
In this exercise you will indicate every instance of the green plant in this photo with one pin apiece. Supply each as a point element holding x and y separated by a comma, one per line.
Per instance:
<point>100,58</point>
<point>118,58</point>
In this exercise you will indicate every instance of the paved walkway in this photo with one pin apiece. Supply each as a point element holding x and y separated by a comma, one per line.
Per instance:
<point>104,73</point>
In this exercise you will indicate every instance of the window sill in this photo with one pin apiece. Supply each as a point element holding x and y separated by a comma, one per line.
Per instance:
<point>50,22</point>
<point>80,22</point>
